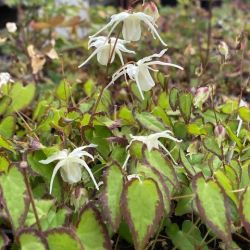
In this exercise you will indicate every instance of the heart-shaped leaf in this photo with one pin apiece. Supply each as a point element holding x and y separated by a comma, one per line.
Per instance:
<point>21,96</point>
<point>15,199</point>
<point>91,230</point>
<point>212,206</point>
<point>142,207</point>
<point>63,238</point>
<point>30,239</point>
<point>111,196</point>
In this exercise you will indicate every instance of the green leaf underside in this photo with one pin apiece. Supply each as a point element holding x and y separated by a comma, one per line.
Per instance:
<point>212,146</point>
<point>189,238</point>
<point>245,209</point>
<point>149,172</point>
<point>113,187</point>
<point>142,207</point>
<point>63,238</point>
<point>31,240</point>
<point>161,164</point>
<point>15,197</point>
<point>212,206</point>
<point>91,230</point>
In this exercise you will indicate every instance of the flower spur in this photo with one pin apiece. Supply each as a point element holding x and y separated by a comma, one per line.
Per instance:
<point>131,29</point>
<point>69,164</point>
<point>152,141</point>
<point>105,47</point>
<point>139,72</point>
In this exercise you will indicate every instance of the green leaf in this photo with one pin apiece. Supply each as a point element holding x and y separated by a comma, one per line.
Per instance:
<point>161,114</point>
<point>173,98</point>
<point>5,102</point>
<point>148,172</point>
<point>245,208</point>
<point>111,196</point>
<point>4,164</point>
<point>30,239</point>
<point>7,126</point>
<point>196,129</point>
<point>244,114</point>
<point>161,164</point>
<point>91,230</point>
<point>188,167</point>
<point>180,130</point>
<point>185,104</point>
<point>126,115</point>
<point>63,90</point>
<point>225,182</point>
<point>21,96</point>
<point>233,136</point>
<point>63,238</point>
<point>4,143</point>
<point>142,207</point>
<point>211,145</point>
<point>14,192</point>
<point>189,238</point>
<point>212,206</point>
<point>149,121</point>
<point>229,107</point>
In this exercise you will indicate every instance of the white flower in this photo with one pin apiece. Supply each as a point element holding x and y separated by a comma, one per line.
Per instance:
<point>11,27</point>
<point>139,72</point>
<point>152,141</point>
<point>104,48</point>
<point>131,29</point>
<point>70,164</point>
<point>5,78</point>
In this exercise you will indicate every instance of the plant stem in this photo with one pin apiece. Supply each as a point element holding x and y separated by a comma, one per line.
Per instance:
<point>157,235</point>
<point>209,34</point>
<point>27,183</point>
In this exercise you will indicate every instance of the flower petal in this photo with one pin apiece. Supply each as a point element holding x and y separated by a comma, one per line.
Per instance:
<point>55,170</point>
<point>144,78</point>
<point>131,29</point>
<point>57,156</point>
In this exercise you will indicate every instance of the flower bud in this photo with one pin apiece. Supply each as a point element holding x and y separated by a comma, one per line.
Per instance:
<point>201,96</point>
<point>79,197</point>
<point>23,164</point>
<point>151,9</point>
<point>220,133</point>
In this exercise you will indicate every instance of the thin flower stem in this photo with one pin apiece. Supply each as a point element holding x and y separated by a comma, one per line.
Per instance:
<point>27,183</point>
<point>103,86</point>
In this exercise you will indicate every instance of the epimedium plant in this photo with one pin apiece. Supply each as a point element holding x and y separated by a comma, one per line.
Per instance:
<point>167,169</point>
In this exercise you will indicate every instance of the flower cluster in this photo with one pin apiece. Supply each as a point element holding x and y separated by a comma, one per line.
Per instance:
<point>106,48</point>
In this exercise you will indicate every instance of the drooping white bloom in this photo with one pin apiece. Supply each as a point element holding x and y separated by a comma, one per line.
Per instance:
<point>104,48</point>
<point>5,78</point>
<point>152,141</point>
<point>11,27</point>
<point>139,72</point>
<point>131,29</point>
<point>70,164</point>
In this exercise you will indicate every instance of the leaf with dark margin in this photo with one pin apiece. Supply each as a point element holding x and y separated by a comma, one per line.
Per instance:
<point>142,208</point>
<point>186,164</point>
<point>164,166</point>
<point>4,241</point>
<point>15,197</point>
<point>149,121</point>
<point>111,195</point>
<point>63,238</point>
<point>91,230</point>
<point>30,239</point>
<point>185,101</point>
<point>136,148</point>
<point>148,172</point>
<point>212,206</point>
<point>189,238</point>
<point>173,98</point>
<point>226,184</point>
<point>212,146</point>
<point>244,209</point>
